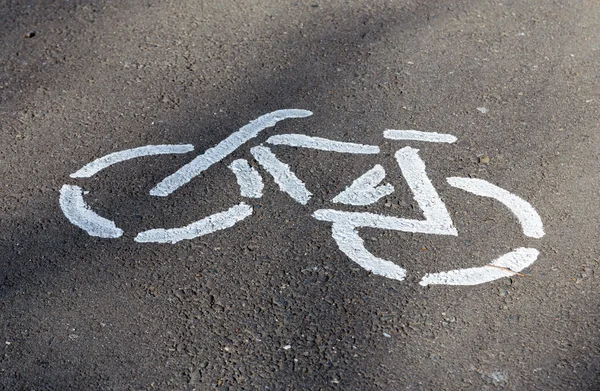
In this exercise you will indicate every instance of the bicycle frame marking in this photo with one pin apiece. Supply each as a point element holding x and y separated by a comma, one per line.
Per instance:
<point>365,190</point>
<point>287,181</point>
<point>303,141</point>
<point>351,244</point>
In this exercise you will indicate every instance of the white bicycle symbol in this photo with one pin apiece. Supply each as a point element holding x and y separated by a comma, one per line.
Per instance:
<point>366,190</point>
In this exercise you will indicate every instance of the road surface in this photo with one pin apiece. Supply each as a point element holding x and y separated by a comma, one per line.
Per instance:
<point>319,269</point>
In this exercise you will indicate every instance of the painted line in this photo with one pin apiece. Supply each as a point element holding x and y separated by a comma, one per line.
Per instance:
<point>250,181</point>
<point>79,213</point>
<point>528,218</point>
<point>351,244</point>
<point>413,170</point>
<point>288,182</point>
<point>507,265</point>
<point>417,135</point>
<point>371,220</point>
<point>222,150</point>
<point>323,144</point>
<point>437,219</point>
<point>365,189</point>
<point>149,150</point>
<point>207,225</point>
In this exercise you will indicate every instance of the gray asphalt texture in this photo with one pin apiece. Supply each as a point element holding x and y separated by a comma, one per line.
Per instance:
<point>272,303</point>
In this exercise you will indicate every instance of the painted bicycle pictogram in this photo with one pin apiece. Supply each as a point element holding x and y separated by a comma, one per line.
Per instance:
<point>365,190</point>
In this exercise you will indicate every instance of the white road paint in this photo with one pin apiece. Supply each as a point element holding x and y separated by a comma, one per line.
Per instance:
<point>365,189</point>
<point>284,177</point>
<point>351,244</point>
<point>417,135</point>
<point>413,170</point>
<point>530,220</point>
<point>507,265</point>
<point>437,219</point>
<point>323,144</point>
<point>250,181</point>
<point>79,213</point>
<point>149,150</point>
<point>371,220</point>
<point>207,225</point>
<point>222,150</point>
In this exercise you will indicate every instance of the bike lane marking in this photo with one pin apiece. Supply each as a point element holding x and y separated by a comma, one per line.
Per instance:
<point>372,220</point>
<point>287,181</point>
<point>222,150</point>
<point>365,190</point>
<point>249,180</point>
<point>507,265</point>
<point>323,144</point>
<point>80,214</point>
<point>100,164</point>
<point>351,244</point>
<point>428,199</point>
<point>437,219</point>
<point>528,218</point>
<point>417,135</point>
<point>207,225</point>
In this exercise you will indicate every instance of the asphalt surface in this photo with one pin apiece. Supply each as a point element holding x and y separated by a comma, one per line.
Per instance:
<point>272,303</point>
